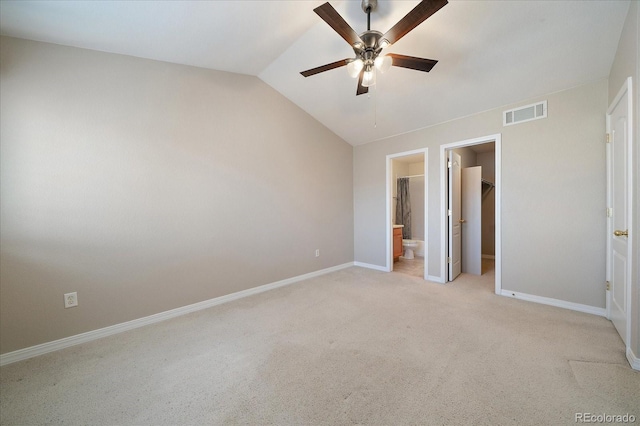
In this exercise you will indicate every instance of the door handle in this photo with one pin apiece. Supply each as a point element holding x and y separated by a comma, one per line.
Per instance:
<point>621,233</point>
<point>462,221</point>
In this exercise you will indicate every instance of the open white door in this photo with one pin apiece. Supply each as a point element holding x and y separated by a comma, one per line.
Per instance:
<point>447,222</point>
<point>472,220</point>
<point>619,198</point>
<point>454,212</point>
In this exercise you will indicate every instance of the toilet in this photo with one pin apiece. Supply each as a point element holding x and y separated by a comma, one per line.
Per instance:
<point>409,246</point>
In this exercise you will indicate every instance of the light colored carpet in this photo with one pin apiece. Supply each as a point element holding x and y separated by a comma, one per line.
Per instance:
<point>352,347</point>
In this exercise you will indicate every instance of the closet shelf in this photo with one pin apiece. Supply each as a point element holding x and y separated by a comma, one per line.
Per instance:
<point>486,188</point>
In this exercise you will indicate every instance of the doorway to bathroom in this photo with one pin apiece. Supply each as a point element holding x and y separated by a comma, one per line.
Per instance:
<point>470,217</point>
<point>407,236</point>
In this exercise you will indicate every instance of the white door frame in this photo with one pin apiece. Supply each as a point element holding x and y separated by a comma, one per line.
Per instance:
<point>497,139</point>
<point>389,204</point>
<point>625,89</point>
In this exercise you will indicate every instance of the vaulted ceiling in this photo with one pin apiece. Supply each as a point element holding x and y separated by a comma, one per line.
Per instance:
<point>490,53</point>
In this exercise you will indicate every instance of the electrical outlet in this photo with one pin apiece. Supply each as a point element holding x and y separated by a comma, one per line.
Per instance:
<point>70,300</point>
<point>317,252</point>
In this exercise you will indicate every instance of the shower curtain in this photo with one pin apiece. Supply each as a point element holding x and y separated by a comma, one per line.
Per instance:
<point>403,207</point>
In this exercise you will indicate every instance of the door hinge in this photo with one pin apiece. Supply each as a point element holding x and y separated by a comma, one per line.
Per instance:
<point>608,285</point>
<point>448,260</point>
<point>609,212</point>
<point>448,212</point>
<point>608,138</point>
<point>449,164</point>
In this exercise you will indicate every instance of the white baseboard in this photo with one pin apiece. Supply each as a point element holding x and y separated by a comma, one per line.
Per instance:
<point>634,361</point>
<point>89,336</point>
<point>384,269</point>
<point>555,302</point>
<point>371,266</point>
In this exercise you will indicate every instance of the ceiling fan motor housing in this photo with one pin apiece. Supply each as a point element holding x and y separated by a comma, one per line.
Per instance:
<point>371,39</point>
<point>370,47</point>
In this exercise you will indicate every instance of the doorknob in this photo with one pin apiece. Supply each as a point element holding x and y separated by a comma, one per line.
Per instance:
<point>462,221</point>
<point>621,233</point>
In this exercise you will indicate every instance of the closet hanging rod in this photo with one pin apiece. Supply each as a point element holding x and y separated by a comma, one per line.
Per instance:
<point>398,177</point>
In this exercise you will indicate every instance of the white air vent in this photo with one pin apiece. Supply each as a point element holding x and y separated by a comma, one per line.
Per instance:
<point>525,113</point>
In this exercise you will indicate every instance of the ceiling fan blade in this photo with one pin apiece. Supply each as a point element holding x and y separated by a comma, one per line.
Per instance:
<point>414,18</point>
<point>335,21</point>
<point>361,89</point>
<point>412,62</point>
<point>323,68</point>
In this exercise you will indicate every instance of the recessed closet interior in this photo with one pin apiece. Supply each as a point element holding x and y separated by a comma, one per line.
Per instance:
<point>477,162</point>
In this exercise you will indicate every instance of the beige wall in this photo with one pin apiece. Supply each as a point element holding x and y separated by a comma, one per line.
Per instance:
<point>146,186</point>
<point>553,226</point>
<point>627,64</point>
<point>468,157</point>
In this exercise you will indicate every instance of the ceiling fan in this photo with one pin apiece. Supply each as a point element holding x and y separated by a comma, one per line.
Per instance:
<point>368,46</point>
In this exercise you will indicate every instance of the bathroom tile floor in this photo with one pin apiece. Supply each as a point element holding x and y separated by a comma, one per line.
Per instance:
<point>415,267</point>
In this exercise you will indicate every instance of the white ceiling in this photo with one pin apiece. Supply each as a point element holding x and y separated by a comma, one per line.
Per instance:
<point>491,53</point>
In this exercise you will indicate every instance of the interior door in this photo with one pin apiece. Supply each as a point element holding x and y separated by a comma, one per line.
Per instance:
<point>472,220</point>
<point>618,244</point>
<point>454,212</point>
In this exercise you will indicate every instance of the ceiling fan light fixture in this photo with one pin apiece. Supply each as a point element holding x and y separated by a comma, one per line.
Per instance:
<point>383,63</point>
<point>369,77</point>
<point>354,67</point>
<point>383,43</point>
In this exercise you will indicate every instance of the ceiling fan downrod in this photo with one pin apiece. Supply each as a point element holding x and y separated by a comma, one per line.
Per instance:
<point>369,6</point>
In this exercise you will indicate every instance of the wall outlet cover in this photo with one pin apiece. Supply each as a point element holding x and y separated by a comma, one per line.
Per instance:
<point>71,299</point>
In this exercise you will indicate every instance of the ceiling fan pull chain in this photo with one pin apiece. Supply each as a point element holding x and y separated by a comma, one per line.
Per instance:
<point>375,107</point>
